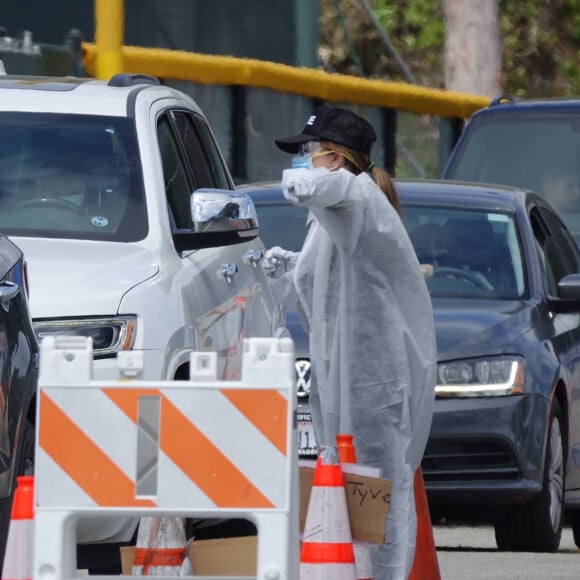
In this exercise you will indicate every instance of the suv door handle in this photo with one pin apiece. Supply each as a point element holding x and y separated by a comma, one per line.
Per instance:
<point>253,256</point>
<point>228,271</point>
<point>8,291</point>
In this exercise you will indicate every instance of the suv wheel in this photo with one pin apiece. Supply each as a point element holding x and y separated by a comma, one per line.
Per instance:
<point>536,526</point>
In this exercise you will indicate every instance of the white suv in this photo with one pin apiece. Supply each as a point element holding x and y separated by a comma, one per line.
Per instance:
<point>109,189</point>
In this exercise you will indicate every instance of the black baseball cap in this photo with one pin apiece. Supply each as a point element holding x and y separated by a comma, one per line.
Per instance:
<point>333,124</point>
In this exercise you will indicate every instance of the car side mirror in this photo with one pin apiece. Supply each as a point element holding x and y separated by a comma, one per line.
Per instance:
<point>569,287</point>
<point>568,300</point>
<point>220,217</point>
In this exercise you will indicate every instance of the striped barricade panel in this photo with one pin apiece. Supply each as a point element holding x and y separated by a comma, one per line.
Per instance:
<point>198,448</point>
<point>184,446</point>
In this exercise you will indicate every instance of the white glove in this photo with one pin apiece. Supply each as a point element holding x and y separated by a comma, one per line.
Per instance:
<point>297,184</point>
<point>278,261</point>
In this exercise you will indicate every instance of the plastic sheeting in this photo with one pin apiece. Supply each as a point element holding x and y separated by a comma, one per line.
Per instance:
<point>363,299</point>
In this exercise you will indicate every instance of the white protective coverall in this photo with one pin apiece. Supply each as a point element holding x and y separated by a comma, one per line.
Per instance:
<point>359,288</point>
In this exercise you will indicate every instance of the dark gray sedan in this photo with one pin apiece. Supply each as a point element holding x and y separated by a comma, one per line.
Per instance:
<point>504,277</point>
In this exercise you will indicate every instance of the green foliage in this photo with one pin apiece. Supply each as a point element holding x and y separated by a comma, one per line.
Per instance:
<point>541,46</point>
<point>385,12</point>
<point>421,19</point>
<point>540,42</point>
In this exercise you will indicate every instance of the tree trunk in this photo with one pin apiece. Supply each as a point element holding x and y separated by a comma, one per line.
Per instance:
<point>472,47</point>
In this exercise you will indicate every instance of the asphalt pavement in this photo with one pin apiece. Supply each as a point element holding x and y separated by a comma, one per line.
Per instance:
<point>466,552</point>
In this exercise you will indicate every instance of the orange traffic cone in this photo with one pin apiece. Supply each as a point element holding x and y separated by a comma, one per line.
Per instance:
<point>327,551</point>
<point>362,554</point>
<point>160,546</point>
<point>345,448</point>
<point>18,558</point>
<point>425,563</point>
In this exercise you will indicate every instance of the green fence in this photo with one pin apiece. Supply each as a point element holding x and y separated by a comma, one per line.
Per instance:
<point>251,102</point>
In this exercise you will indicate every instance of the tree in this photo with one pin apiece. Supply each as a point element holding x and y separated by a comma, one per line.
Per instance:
<point>472,47</point>
<point>538,42</point>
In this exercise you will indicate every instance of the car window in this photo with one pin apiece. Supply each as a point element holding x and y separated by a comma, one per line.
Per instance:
<point>536,150</point>
<point>282,224</point>
<point>207,165</point>
<point>467,253</point>
<point>566,242</point>
<point>557,247</point>
<point>177,186</point>
<point>70,176</point>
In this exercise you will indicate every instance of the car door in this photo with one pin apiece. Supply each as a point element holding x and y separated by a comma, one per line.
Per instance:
<point>234,296</point>
<point>18,375</point>
<point>18,351</point>
<point>561,257</point>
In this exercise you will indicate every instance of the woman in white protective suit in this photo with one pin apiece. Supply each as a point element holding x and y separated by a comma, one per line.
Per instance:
<point>361,293</point>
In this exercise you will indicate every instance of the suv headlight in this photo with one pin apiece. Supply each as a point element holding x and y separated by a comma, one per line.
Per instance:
<point>490,377</point>
<point>110,335</point>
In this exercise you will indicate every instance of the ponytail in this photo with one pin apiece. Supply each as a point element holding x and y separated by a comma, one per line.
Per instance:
<point>357,162</point>
<point>385,183</point>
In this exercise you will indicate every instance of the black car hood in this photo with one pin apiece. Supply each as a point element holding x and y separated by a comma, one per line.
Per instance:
<point>472,328</point>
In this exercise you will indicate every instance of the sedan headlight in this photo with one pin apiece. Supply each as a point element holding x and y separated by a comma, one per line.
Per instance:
<point>490,377</point>
<point>110,335</point>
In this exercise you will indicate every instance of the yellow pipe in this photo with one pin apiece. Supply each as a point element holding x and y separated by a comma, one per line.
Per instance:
<point>225,70</point>
<point>109,32</point>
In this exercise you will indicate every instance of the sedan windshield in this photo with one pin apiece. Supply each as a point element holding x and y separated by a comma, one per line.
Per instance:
<point>282,224</point>
<point>70,176</point>
<point>466,253</point>
<point>463,253</point>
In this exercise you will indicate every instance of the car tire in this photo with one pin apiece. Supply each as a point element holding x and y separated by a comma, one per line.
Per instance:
<point>536,526</point>
<point>575,525</point>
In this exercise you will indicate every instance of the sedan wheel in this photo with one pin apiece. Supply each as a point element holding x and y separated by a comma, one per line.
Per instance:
<point>575,524</point>
<point>536,526</point>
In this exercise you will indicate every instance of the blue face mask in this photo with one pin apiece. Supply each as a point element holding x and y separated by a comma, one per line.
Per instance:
<point>302,161</point>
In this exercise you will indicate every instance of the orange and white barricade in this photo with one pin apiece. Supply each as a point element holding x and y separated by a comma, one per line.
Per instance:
<point>203,448</point>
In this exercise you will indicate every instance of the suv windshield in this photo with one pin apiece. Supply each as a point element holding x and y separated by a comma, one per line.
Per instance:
<point>536,150</point>
<point>70,176</point>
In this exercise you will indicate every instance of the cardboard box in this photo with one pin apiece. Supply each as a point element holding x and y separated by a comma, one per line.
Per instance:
<point>127,558</point>
<point>220,557</point>
<point>224,557</point>
<point>367,498</point>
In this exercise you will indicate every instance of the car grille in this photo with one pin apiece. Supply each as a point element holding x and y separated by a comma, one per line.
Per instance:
<point>468,461</point>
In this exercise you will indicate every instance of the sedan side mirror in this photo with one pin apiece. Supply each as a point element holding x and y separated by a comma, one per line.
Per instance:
<point>568,299</point>
<point>569,287</point>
